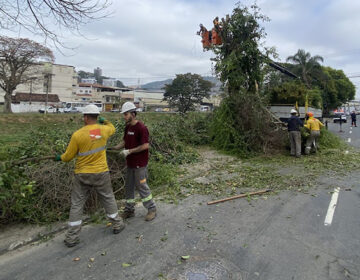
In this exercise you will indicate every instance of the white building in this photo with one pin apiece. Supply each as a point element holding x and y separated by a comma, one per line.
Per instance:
<point>62,81</point>
<point>110,82</point>
<point>88,80</point>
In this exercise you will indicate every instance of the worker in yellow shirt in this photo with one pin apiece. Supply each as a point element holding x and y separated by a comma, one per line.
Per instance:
<point>314,125</point>
<point>91,171</point>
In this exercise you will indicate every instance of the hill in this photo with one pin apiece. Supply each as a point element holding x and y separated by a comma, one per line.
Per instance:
<point>157,85</point>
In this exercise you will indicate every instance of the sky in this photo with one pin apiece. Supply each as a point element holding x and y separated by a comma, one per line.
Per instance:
<point>148,40</point>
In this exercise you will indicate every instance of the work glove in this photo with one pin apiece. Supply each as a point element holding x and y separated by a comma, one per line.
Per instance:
<point>57,158</point>
<point>125,152</point>
<point>101,120</point>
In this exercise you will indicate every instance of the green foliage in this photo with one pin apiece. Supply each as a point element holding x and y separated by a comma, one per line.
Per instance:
<point>307,66</point>
<point>329,140</point>
<point>246,131</point>
<point>238,59</point>
<point>16,194</point>
<point>242,124</point>
<point>336,88</point>
<point>40,192</point>
<point>295,91</point>
<point>186,91</point>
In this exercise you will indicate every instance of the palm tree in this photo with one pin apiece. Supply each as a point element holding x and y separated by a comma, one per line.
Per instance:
<point>307,64</point>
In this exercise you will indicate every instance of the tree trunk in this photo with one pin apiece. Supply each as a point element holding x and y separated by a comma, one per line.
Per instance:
<point>7,99</point>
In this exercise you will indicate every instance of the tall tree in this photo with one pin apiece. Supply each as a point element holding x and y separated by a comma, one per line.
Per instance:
<point>186,91</point>
<point>17,56</point>
<point>308,65</point>
<point>336,87</point>
<point>242,123</point>
<point>48,17</point>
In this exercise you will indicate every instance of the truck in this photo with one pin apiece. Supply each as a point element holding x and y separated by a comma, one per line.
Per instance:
<point>283,112</point>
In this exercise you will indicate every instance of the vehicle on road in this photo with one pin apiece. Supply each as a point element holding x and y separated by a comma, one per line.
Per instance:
<point>339,116</point>
<point>283,112</point>
<point>72,110</point>
<point>116,110</point>
<point>51,109</point>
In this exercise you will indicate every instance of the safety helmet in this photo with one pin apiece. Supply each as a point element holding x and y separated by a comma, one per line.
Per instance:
<point>128,107</point>
<point>293,111</point>
<point>91,110</point>
<point>310,114</point>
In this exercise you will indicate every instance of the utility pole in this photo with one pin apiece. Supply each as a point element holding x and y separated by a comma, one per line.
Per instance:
<point>31,87</point>
<point>47,76</point>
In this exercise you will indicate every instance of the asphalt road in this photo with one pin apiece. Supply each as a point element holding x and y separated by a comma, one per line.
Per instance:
<point>291,235</point>
<point>346,131</point>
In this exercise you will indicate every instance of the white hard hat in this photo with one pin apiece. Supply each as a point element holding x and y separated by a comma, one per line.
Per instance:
<point>293,111</point>
<point>128,107</point>
<point>91,110</point>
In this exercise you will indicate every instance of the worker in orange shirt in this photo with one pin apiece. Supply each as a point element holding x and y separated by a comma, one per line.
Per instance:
<point>314,125</point>
<point>91,171</point>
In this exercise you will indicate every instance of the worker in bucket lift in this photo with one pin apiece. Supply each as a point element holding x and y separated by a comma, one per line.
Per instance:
<point>91,171</point>
<point>314,125</point>
<point>294,124</point>
<point>136,152</point>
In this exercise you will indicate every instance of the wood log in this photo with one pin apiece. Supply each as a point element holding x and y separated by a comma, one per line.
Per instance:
<point>237,196</point>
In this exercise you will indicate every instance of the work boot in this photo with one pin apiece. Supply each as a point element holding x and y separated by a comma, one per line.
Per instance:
<point>72,243</point>
<point>127,214</point>
<point>118,227</point>
<point>150,215</point>
<point>72,236</point>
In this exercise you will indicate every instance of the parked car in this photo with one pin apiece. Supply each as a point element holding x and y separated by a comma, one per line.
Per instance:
<point>158,110</point>
<point>51,109</point>
<point>116,110</point>
<point>71,110</point>
<point>340,116</point>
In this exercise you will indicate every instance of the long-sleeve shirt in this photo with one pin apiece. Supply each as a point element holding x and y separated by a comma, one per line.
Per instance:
<point>88,146</point>
<point>294,123</point>
<point>313,124</point>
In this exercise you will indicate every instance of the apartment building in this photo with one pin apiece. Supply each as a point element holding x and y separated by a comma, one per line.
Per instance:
<point>62,81</point>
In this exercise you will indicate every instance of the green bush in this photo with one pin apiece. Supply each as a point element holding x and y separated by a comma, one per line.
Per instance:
<point>40,192</point>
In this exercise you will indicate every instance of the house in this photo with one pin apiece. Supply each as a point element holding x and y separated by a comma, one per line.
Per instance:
<point>109,97</point>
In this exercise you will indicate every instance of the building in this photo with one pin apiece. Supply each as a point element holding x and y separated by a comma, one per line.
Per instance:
<point>110,97</point>
<point>110,82</point>
<point>97,72</point>
<point>52,78</point>
<point>88,80</point>
<point>26,102</point>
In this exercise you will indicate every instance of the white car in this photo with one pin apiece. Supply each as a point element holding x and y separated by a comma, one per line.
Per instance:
<point>339,117</point>
<point>51,109</point>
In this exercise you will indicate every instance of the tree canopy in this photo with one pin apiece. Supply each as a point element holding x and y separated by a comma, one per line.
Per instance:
<point>186,91</point>
<point>17,56</point>
<point>242,124</point>
<point>326,87</point>
<point>308,65</point>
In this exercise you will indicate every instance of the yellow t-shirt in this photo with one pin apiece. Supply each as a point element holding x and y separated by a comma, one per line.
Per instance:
<point>88,146</point>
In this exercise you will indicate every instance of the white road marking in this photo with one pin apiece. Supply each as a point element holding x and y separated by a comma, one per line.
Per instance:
<point>350,131</point>
<point>332,206</point>
<point>349,140</point>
